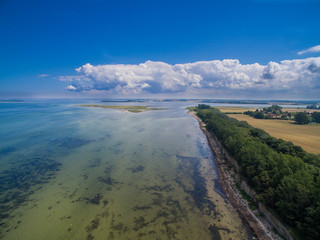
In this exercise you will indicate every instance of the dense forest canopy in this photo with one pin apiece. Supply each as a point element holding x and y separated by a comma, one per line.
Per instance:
<point>286,178</point>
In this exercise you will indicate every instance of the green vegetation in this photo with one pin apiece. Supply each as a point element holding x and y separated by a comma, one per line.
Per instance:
<point>306,136</point>
<point>245,196</point>
<point>203,106</point>
<point>302,118</point>
<point>285,177</point>
<point>133,109</point>
<point>273,112</point>
<point>316,117</point>
<point>306,118</point>
<point>313,106</point>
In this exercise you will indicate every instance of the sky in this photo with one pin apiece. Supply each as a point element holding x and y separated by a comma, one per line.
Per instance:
<point>232,49</point>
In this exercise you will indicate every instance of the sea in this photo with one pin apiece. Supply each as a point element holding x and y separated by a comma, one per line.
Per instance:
<point>84,173</point>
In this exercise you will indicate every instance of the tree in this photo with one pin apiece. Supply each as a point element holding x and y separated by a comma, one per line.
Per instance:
<point>273,108</point>
<point>259,115</point>
<point>313,106</point>
<point>316,117</point>
<point>203,106</point>
<point>302,118</point>
<point>285,177</point>
<point>276,108</point>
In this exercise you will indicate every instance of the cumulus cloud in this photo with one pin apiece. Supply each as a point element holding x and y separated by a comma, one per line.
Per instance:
<point>228,74</point>
<point>149,76</point>
<point>314,49</point>
<point>70,87</point>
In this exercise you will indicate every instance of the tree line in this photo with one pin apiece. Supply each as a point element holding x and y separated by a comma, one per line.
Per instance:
<point>272,112</point>
<point>275,112</point>
<point>313,106</point>
<point>285,177</point>
<point>304,118</point>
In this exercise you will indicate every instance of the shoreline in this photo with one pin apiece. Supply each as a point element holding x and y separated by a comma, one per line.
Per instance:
<point>259,228</point>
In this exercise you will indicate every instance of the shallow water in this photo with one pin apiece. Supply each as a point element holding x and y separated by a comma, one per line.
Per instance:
<point>68,172</point>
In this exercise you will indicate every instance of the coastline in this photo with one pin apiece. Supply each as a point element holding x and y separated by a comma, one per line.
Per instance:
<point>259,228</point>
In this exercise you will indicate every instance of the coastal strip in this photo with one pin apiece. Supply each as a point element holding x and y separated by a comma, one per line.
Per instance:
<point>260,229</point>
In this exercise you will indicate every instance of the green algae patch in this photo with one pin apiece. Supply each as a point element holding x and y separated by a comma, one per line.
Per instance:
<point>133,109</point>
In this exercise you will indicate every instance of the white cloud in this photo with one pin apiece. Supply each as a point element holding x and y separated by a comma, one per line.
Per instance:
<point>43,75</point>
<point>229,74</point>
<point>72,88</point>
<point>149,76</point>
<point>314,49</point>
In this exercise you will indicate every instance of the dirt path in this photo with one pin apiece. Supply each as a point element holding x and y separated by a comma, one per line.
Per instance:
<point>260,230</point>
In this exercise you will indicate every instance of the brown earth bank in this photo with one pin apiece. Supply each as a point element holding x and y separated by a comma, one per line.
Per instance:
<point>261,228</point>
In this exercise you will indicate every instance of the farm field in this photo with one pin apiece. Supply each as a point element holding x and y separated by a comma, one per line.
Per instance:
<point>306,136</point>
<point>235,109</point>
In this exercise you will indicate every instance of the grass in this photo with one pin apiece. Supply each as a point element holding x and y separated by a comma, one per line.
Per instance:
<point>246,197</point>
<point>306,136</point>
<point>133,109</point>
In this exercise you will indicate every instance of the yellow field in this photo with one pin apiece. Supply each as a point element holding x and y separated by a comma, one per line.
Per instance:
<point>235,109</point>
<point>306,136</point>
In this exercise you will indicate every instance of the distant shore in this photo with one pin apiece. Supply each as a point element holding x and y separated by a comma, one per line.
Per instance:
<point>260,229</point>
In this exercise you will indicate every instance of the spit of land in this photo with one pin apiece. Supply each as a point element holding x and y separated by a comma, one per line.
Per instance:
<point>134,109</point>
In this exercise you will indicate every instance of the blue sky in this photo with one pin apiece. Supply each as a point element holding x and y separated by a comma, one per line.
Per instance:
<point>43,43</point>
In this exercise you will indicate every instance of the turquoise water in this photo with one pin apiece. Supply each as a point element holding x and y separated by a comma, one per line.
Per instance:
<point>70,172</point>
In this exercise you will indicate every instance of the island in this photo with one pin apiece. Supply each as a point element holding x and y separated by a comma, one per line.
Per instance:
<point>129,108</point>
